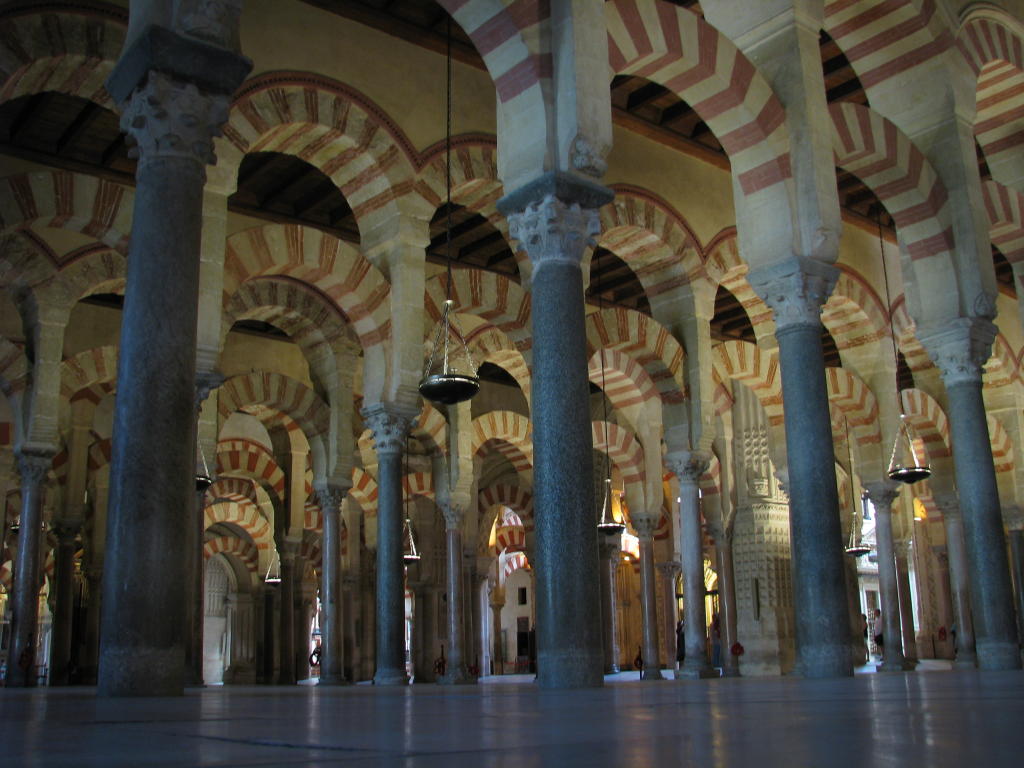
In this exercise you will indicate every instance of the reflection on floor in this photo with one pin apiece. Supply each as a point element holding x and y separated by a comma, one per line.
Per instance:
<point>925,718</point>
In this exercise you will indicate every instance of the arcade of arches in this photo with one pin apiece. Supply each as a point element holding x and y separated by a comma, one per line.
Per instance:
<point>714,251</point>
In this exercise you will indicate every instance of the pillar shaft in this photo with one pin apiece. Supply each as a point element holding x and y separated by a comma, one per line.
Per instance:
<point>648,599</point>
<point>1017,565</point>
<point>906,602</point>
<point>390,425</point>
<point>332,642</point>
<point>21,660</point>
<point>554,223</point>
<point>959,580</point>
<point>610,548</point>
<point>882,495</point>
<point>455,671</point>
<point>143,635</point>
<point>195,600</point>
<point>286,628</point>
<point>727,605</point>
<point>499,650</point>
<point>796,290</point>
<point>64,583</point>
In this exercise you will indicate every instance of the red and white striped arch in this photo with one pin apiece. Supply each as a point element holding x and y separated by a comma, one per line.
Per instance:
<point>245,516</point>
<point>857,402</point>
<point>508,426</point>
<point>332,127</point>
<point>13,368</point>
<point>418,484</point>
<point>486,295</point>
<point>279,392</point>
<point>333,268</point>
<point>995,53</point>
<point>99,454</point>
<point>240,489</point>
<point>247,459</point>
<point>883,39</point>
<point>431,428</point>
<point>65,48</point>
<point>887,162</point>
<point>726,268</point>
<point>929,421</point>
<point>1002,446</point>
<point>854,313</point>
<point>64,200</point>
<point>83,373</point>
<point>233,546</point>
<point>650,344</point>
<point>625,451</point>
<point>652,237</point>
<point>514,497</point>
<point>1001,368</point>
<point>515,562</point>
<point>675,48</point>
<point>755,368</point>
<point>906,337</point>
<point>1005,209</point>
<point>623,380</point>
<point>364,491</point>
<point>487,344</point>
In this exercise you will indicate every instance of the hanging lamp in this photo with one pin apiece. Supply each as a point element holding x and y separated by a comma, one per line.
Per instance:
<point>203,478</point>
<point>905,465</point>
<point>855,546</point>
<point>273,578</point>
<point>608,524</point>
<point>450,375</point>
<point>409,552</point>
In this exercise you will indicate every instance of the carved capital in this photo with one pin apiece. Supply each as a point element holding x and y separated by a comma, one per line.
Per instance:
<point>390,425</point>
<point>212,21</point>
<point>330,497</point>
<point>949,505</point>
<point>552,231</point>
<point>796,290</point>
<point>882,494</point>
<point>32,467</point>
<point>645,526</point>
<point>669,569</point>
<point>169,118</point>
<point>688,466</point>
<point>1013,517</point>
<point>960,348</point>
<point>205,384</point>
<point>66,530</point>
<point>453,514</point>
<point>609,546</point>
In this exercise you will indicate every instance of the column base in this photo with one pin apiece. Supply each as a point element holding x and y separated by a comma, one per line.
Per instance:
<point>731,672</point>
<point>459,677</point>
<point>695,672</point>
<point>965,661</point>
<point>824,661</point>
<point>612,670</point>
<point>899,665</point>
<point>333,680</point>
<point>569,671</point>
<point>998,656</point>
<point>651,675</point>
<point>141,672</point>
<point>390,677</point>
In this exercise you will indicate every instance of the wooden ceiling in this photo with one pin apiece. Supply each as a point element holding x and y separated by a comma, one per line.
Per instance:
<point>72,133</point>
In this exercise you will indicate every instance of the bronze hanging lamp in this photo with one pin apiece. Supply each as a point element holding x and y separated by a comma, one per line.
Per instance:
<point>409,552</point>
<point>203,477</point>
<point>905,465</point>
<point>855,546</point>
<point>608,524</point>
<point>450,374</point>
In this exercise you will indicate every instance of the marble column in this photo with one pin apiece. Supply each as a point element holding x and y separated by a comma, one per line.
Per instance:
<point>21,658</point>
<point>688,466</point>
<point>455,672</point>
<point>348,624</point>
<point>959,578</point>
<point>171,120</point>
<point>243,664</point>
<point>390,424</point>
<point>667,573</point>
<point>796,290</point>
<point>906,602</point>
<point>332,642</point>
<point>1017,565</point>
<point>644,526</point>
<point>91,641</point>
<point>611,547</point>
<point>270,595</point>
<point>478,624</point>
<point>286,627</point>
<point>497,602</point>
<point>64,587</point>
<point>959,350</point>
<point>553,219</point>
<point>727,602</point>
<point>882,494</point>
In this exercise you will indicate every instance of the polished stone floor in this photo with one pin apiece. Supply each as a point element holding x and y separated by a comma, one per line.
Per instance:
<point>925,718</point>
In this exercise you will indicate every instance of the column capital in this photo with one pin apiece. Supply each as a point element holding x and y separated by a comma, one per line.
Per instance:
<point>645,526</point>
<point>1013,517</point>
<point>948,504</point>
<point>330,498</point>
<point>720,533</point>
<point>882,493</point>
<point>168,118</point>
<point>390,424</point>
<point>66,529</point>
<point>670,568</point>
<point>902,547</point>
<point>795,289</point>
<point>959,348</point>
<point>33,466</point>
<point>609,546</point>
<point>206,382</point>
<point>453,515</point>
<point>688,466</point>
<point>554,231</point>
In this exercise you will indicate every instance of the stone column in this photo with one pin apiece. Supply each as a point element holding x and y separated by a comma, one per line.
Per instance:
<point>1017,564</point>
<point>644,527</point>
<point>554,219</point>
<point>796,290</point>
<point>348,623</point>
<point>91,641</point>
<point>478,624</point>
<point>21,659</point>
<point>959,349</point>
<point>727,602</point>
<point>390,424</point>
<point>497,602</point>
<point>286,627</point>
<point>882,494</point>
<point>610,547</point>
<point>171,119</point>
<point>64,583</point>
<point>455,672</point>
<point>668,572</point>
<point>959,578</point>
<point>688,466</point>
<point>332,643</point>
<point>243,667</point>
<point>267,629</point>
<point>906,603</point>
